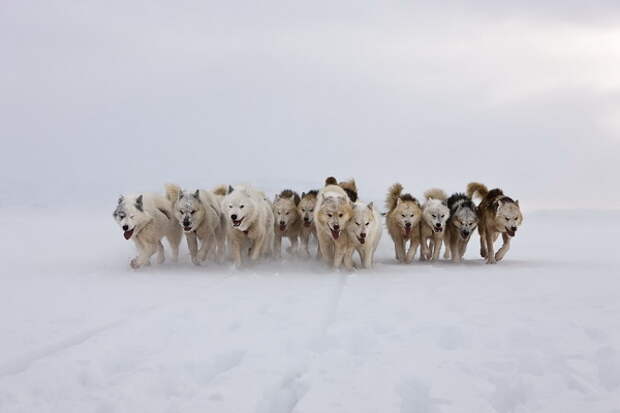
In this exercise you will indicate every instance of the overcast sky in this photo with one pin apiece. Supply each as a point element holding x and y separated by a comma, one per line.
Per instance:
<point>99,98</point>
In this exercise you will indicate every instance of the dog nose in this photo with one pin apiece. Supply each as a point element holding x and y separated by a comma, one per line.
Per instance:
<point>363,235</point>
<point>234,217</point>
<point>125,227</point>
<point>514,228</point>
<point>336,227</point>
<point>408,224</point>
<point>282,223</point>
<point>306,219</point>
<point>186,223</point>
<point>437,225</point>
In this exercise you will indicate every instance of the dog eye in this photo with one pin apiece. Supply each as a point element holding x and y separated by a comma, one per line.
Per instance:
<point>330,215</point>
<point>358,224</point>
<point>193,212</point>
<point>340,215</point>
<point>229,206</point>
<point>443,216</point>
<point>287,213</point>
<point>312,210</point>
<point>403,215</point>
<point>411,215</point>
<point>434,216</point>
<point>367,223</point>
<point>241,206</point>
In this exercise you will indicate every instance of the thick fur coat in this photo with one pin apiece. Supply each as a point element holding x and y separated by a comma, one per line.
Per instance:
<point>497,214</point>
<point>403,222</point>
<point>250,223</point>
<point>146,219</point>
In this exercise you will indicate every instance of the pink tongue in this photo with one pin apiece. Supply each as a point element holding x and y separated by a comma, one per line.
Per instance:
<point>407,230</point>
<point>282,227</point>
<point>335,234</point>
<point>128,234</point>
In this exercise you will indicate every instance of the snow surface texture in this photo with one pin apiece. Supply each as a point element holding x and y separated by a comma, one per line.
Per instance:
<point>81,332</point>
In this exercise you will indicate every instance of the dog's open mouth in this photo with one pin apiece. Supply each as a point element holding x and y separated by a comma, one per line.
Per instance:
<point>464,235</point>
<point>282,227</point>
<point>307,223</point>
<point>362,240</point>
<point>128,234</point>
<point>511,232</point>
<point>237,222</point>
<point>407,231</point>
<point>335,234</point>
<point>187,229</point>
<point>437,229</point>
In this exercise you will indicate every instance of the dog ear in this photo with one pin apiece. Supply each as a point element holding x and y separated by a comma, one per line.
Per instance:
<point>398,201</point>
<point>517,202</point>
<point>371,206</point>
<point>275,198</point>
<point>121,199</point>
<point>230,189</point>
<point>197,194</point>
<point>303,194</point>
<point>180,195</point>
<point>296,199</point>
<point>139,203</point>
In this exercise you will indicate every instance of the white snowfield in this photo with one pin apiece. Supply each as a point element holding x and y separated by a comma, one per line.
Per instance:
<point>82,332</point>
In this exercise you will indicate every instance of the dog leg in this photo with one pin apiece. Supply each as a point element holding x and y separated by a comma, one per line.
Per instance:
<point>413,248</point>
<point>305,241</point>
<point>294,248</point>
<point>399,245</point>
<point>257,248</point>
<point>436,248</point>
<point>192,245</point>
<point>145,254</point>
<point>489,249</point>
<point>504,249</point>
<point>348,258</point>
<point>483,244</point>
<point>324,252</point>
<point>339,254</point>
<point>174,239</point>
<point>463,248</point>
<point>277,245</point>
<point>161,257</point>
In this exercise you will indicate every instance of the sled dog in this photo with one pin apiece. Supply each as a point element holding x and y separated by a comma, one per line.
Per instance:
<point>364,230</point>
<point>497,214</point>
<point>199,214</point>
<point>403,222</point>
<point>249,223</point>
<point>435,214</point>
<point>146,219</point>
<point>461,224</point>
<point>287,220</point>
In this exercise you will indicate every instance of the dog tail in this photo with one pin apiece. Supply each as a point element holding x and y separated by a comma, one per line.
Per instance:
<point>220,190</point>
<point>331,181</point>
<point>476,188</point>
<point>172,192</point>
<point>392,197</point>
<point>436,193</point>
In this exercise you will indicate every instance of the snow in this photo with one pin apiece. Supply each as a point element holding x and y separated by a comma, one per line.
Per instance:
<point>82,332</point>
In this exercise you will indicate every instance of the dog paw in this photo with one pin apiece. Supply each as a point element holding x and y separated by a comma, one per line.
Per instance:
<point>491,261</point>
<point>161,258</point>
<point>134,263</point>
<point>195,261</point>
<point>483,253</point>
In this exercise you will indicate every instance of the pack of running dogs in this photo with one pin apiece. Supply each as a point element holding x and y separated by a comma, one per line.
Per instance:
<point>241,224</point>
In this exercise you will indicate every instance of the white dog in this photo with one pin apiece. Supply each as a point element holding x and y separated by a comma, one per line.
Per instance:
<point>364,230</point>
<point>199,214</point>
<point>146,219</point>
<point>249,222</point>
<point>435,214</point>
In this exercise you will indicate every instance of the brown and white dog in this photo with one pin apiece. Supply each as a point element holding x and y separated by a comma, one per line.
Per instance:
<point>403,222</point>
<point>287,221</point>
<point>332,213</point>
<point>498,214</point>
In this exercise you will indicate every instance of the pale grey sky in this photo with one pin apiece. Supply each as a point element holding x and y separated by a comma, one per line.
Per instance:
<point>98,98</point>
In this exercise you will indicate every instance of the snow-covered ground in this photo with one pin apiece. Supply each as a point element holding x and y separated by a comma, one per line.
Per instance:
<point>81,332</point>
